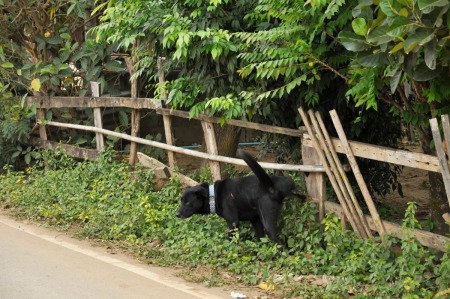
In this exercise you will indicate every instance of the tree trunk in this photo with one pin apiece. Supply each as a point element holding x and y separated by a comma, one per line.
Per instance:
<point>227,142</point>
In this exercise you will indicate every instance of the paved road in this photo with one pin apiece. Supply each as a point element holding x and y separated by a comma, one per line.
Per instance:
<point>37,263</point>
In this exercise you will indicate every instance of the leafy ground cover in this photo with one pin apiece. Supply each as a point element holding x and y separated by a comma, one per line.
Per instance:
<point>103,200</point>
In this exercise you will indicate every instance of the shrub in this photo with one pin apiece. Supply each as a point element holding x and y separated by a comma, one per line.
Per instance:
<point>106,202</point>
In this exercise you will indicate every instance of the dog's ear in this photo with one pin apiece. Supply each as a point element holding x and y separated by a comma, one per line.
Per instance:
<point>203,190</point>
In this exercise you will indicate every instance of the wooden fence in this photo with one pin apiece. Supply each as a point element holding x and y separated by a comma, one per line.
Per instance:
<point>315,181</point>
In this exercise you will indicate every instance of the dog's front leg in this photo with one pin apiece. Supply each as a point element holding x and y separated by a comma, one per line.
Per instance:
<point>233,227</point>
<point>258,227</point>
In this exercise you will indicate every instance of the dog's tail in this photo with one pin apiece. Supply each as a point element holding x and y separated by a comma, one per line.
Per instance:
<point>263,177</point>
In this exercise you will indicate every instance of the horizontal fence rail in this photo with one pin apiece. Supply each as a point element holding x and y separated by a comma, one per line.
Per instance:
<point>267,165</point>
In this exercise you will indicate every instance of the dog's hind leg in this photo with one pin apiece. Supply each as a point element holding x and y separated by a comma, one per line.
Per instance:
<point>269,212</point>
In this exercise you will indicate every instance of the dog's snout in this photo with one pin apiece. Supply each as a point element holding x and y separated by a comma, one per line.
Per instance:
<point>178,214</point>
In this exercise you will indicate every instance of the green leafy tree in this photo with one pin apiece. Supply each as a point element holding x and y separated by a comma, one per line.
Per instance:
<point>44,51</point>
<point>195,41</point>
<point>402,59</point>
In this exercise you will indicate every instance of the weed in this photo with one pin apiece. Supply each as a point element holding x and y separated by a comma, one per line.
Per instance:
<point>105,202</point>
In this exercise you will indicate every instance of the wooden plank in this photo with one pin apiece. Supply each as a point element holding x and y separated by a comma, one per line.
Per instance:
<point>71,150</point>
<point>167,119</point>
<point>91,102</point>
<point>40,115</point>
<point>185,151</point>
<point>329,173</point>
<point>233,122</point>
<point>385,154</point>
<point>211,146</point>
<point>446,126</point>
<point>427,239</point>
<point>150,162</point>
<point>315,182</point>
<point>135,113</point>
<point>135,128</point>
<point>168,131</point>
<point>359,178</point>
<point>95,88</point>
<point>441,155</point>
<point>341,177</point>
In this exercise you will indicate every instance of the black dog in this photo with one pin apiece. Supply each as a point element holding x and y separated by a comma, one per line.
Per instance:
<point>257,199</point>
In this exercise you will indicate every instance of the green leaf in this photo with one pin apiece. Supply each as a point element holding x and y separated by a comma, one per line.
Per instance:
<point>7,65</point>
<point>55,40</point>
<point>395,80</point>
<point>390,7</point>
<point>65,35</point>
<point>81,140</point>
<point>40,39</point>
<point>372,60</point>
<point>400,25</point>
<point>114,66</point>
<point>379,36</point>
<point>430,56</point>
<point>423,73</point>
<point>420,38</point>
<point>359,26</point>
<point>426,4</point>
<point>352,42</point>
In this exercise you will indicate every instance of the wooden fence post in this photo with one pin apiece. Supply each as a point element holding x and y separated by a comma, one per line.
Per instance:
<point>95,89</point>
<point>167,119</point>
<point>315,181</point>
<point>440,150</point>
<point>135,113</point>
<point>40,114</point>
<point>211,146</point>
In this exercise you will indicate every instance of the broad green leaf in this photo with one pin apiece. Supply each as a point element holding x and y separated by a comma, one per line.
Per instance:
<point>426,4</point>
<point>420,38</point>
<point>390,7</point>
<point>359,26</point>
<point>379,36</point>
<point>423,73</point>
<point>396,48</point>
<point>81,140</point>
<point>40,39</point>
<point>395,80</point>
<point>362,4</point>
<point>399,26</point>
<point>352,41</point>
<point>7,65</point>
<point>408,3</point>
<point>114,66</point>
<point>430,56</point>
<point>55,39</point>
<point>55,80</point>
<point>65,35</point>
<point>372,60</point>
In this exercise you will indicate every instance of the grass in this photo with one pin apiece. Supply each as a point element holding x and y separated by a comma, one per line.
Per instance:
<point>100,200</point>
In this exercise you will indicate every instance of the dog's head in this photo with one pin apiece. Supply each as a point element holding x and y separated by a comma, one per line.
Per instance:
<point>193,201</point>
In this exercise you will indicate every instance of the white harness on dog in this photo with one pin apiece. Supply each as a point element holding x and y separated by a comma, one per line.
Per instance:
<point>212,201</point>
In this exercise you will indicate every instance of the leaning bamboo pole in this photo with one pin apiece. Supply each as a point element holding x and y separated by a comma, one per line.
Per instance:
<point>359,178</point>
<point>267,165</point>
<point>341,176</point>
<point>342,200</point>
